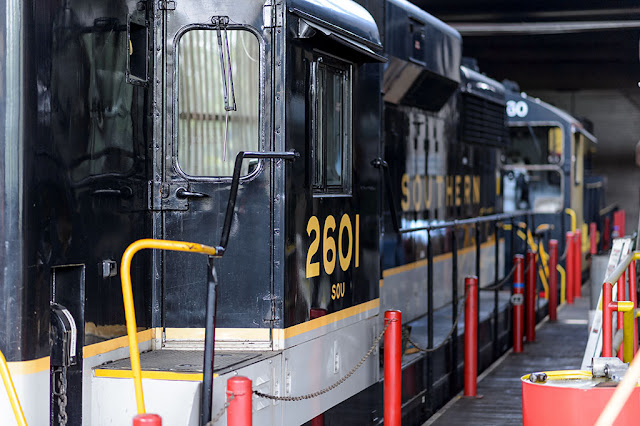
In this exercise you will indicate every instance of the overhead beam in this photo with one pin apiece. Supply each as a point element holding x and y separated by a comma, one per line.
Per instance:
<point>534,28</point>
<point>599,14</point>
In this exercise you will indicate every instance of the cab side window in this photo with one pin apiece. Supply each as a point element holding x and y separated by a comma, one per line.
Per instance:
<point>331,126</point>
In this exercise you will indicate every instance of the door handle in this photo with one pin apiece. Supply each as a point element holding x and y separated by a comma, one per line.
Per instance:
<point>183,194</point>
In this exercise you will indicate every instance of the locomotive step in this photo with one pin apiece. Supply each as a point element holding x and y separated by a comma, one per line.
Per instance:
<point>171,364</point>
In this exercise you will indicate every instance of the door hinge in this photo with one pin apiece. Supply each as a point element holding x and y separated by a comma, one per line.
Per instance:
<point>274,307</point>
<point>166,5</point>
<point>272,14</point>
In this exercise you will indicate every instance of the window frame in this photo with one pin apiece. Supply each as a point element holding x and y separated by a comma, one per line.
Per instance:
<point>260,137</point>
<point>318,137</point>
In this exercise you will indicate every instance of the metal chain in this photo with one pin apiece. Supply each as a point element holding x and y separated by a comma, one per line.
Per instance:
<point>336,384</point>
<point>61,395</point>
<point>442,343</point>
<point>501,282</point>
<point>222,410</point>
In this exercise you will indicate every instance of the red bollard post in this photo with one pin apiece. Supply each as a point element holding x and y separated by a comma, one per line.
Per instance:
<point>593,238</point>
<point>607,323</point>
<point>393,368</point>
<point>605,233</point>
<point>471,337</point>
<point>577,268</point>
<point>553,280</point>
<point>239,410</point>
<point>621,297</point>
<point>570,263</point>
<point>634,298</point>
<point>619,219</point>
<point>147,420</point>
<point>517,300</point>
<point>530,297</point>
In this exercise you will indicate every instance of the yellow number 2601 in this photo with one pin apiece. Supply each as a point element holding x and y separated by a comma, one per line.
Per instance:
<point>346,249</point>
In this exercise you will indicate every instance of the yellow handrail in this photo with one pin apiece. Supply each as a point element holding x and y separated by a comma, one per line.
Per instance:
<point>563,283</point>
<point>11,391</point>
<point>127,296</point>
<point>574,220</point>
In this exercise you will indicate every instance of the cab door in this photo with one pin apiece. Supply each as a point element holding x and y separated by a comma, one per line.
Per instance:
<point>214,64</point>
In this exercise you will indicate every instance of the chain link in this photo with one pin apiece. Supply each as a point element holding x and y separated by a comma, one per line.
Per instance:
<point>61,395</point>
<point>222,410</point>
<point>500,283</point>
<point>336,384</point>
<point>454,327</point>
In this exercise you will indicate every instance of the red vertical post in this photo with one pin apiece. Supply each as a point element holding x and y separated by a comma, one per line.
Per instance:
<point>633,296</point>
<point>570,263</point>
<point>605,233</point>
<point>147,420</point>
<point>239,410</point>
<point>530,297</point>
<point>471,337</point>
<point>593,238</point>
<point>619,219</point>
<point>553,280</point>
<point>607,339</point>
<point>517,299</point>
<point>577,268</point>
<point>621,297</point>
<point>392,368</point>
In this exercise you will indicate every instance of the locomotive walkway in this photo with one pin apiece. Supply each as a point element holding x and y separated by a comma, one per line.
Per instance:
<point>558,346</point>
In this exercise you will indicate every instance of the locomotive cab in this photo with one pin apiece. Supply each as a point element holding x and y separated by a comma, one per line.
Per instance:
<point>272,79</point>
<point>544,165</point>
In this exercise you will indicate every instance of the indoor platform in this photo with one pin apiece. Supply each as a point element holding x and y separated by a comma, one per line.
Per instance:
<point>558,346</point>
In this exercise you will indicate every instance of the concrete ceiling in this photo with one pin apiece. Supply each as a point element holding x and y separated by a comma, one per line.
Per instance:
<point>551,45</point>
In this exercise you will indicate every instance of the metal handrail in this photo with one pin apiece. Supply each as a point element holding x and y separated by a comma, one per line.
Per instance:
<point>574,219</point>
<point>127,296</point>
<point>469,221</point>
<point>622,267</point>
<point>608,209</point>
<point>11,391</point>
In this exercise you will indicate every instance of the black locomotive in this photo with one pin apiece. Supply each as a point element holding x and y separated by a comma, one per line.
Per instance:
<point>328,146</point>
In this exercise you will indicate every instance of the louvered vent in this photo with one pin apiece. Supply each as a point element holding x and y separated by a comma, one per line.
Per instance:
<point>483,121</point>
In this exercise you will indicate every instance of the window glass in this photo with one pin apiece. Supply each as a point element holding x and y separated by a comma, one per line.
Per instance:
<point>202,118</point>
<point>535,145</point>
<point>332,127</point>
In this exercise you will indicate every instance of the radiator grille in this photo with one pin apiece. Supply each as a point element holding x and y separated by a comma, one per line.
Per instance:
<point>483,121</point>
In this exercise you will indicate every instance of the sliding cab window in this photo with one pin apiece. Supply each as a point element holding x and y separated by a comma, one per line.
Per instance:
<point>218,100</point>
<point>331,127</point>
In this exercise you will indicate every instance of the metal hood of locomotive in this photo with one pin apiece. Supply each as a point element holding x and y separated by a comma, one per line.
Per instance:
<point>478,84</point>
<point>344,21</point>
<point>540,111</point>
<point>424,57</point>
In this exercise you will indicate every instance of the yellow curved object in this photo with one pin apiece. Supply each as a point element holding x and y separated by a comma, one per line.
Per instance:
<point>127,296</point>
<point>572,213</point>
<point>563,283</point>
<point>564,375</point>
<point>11,391</point>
